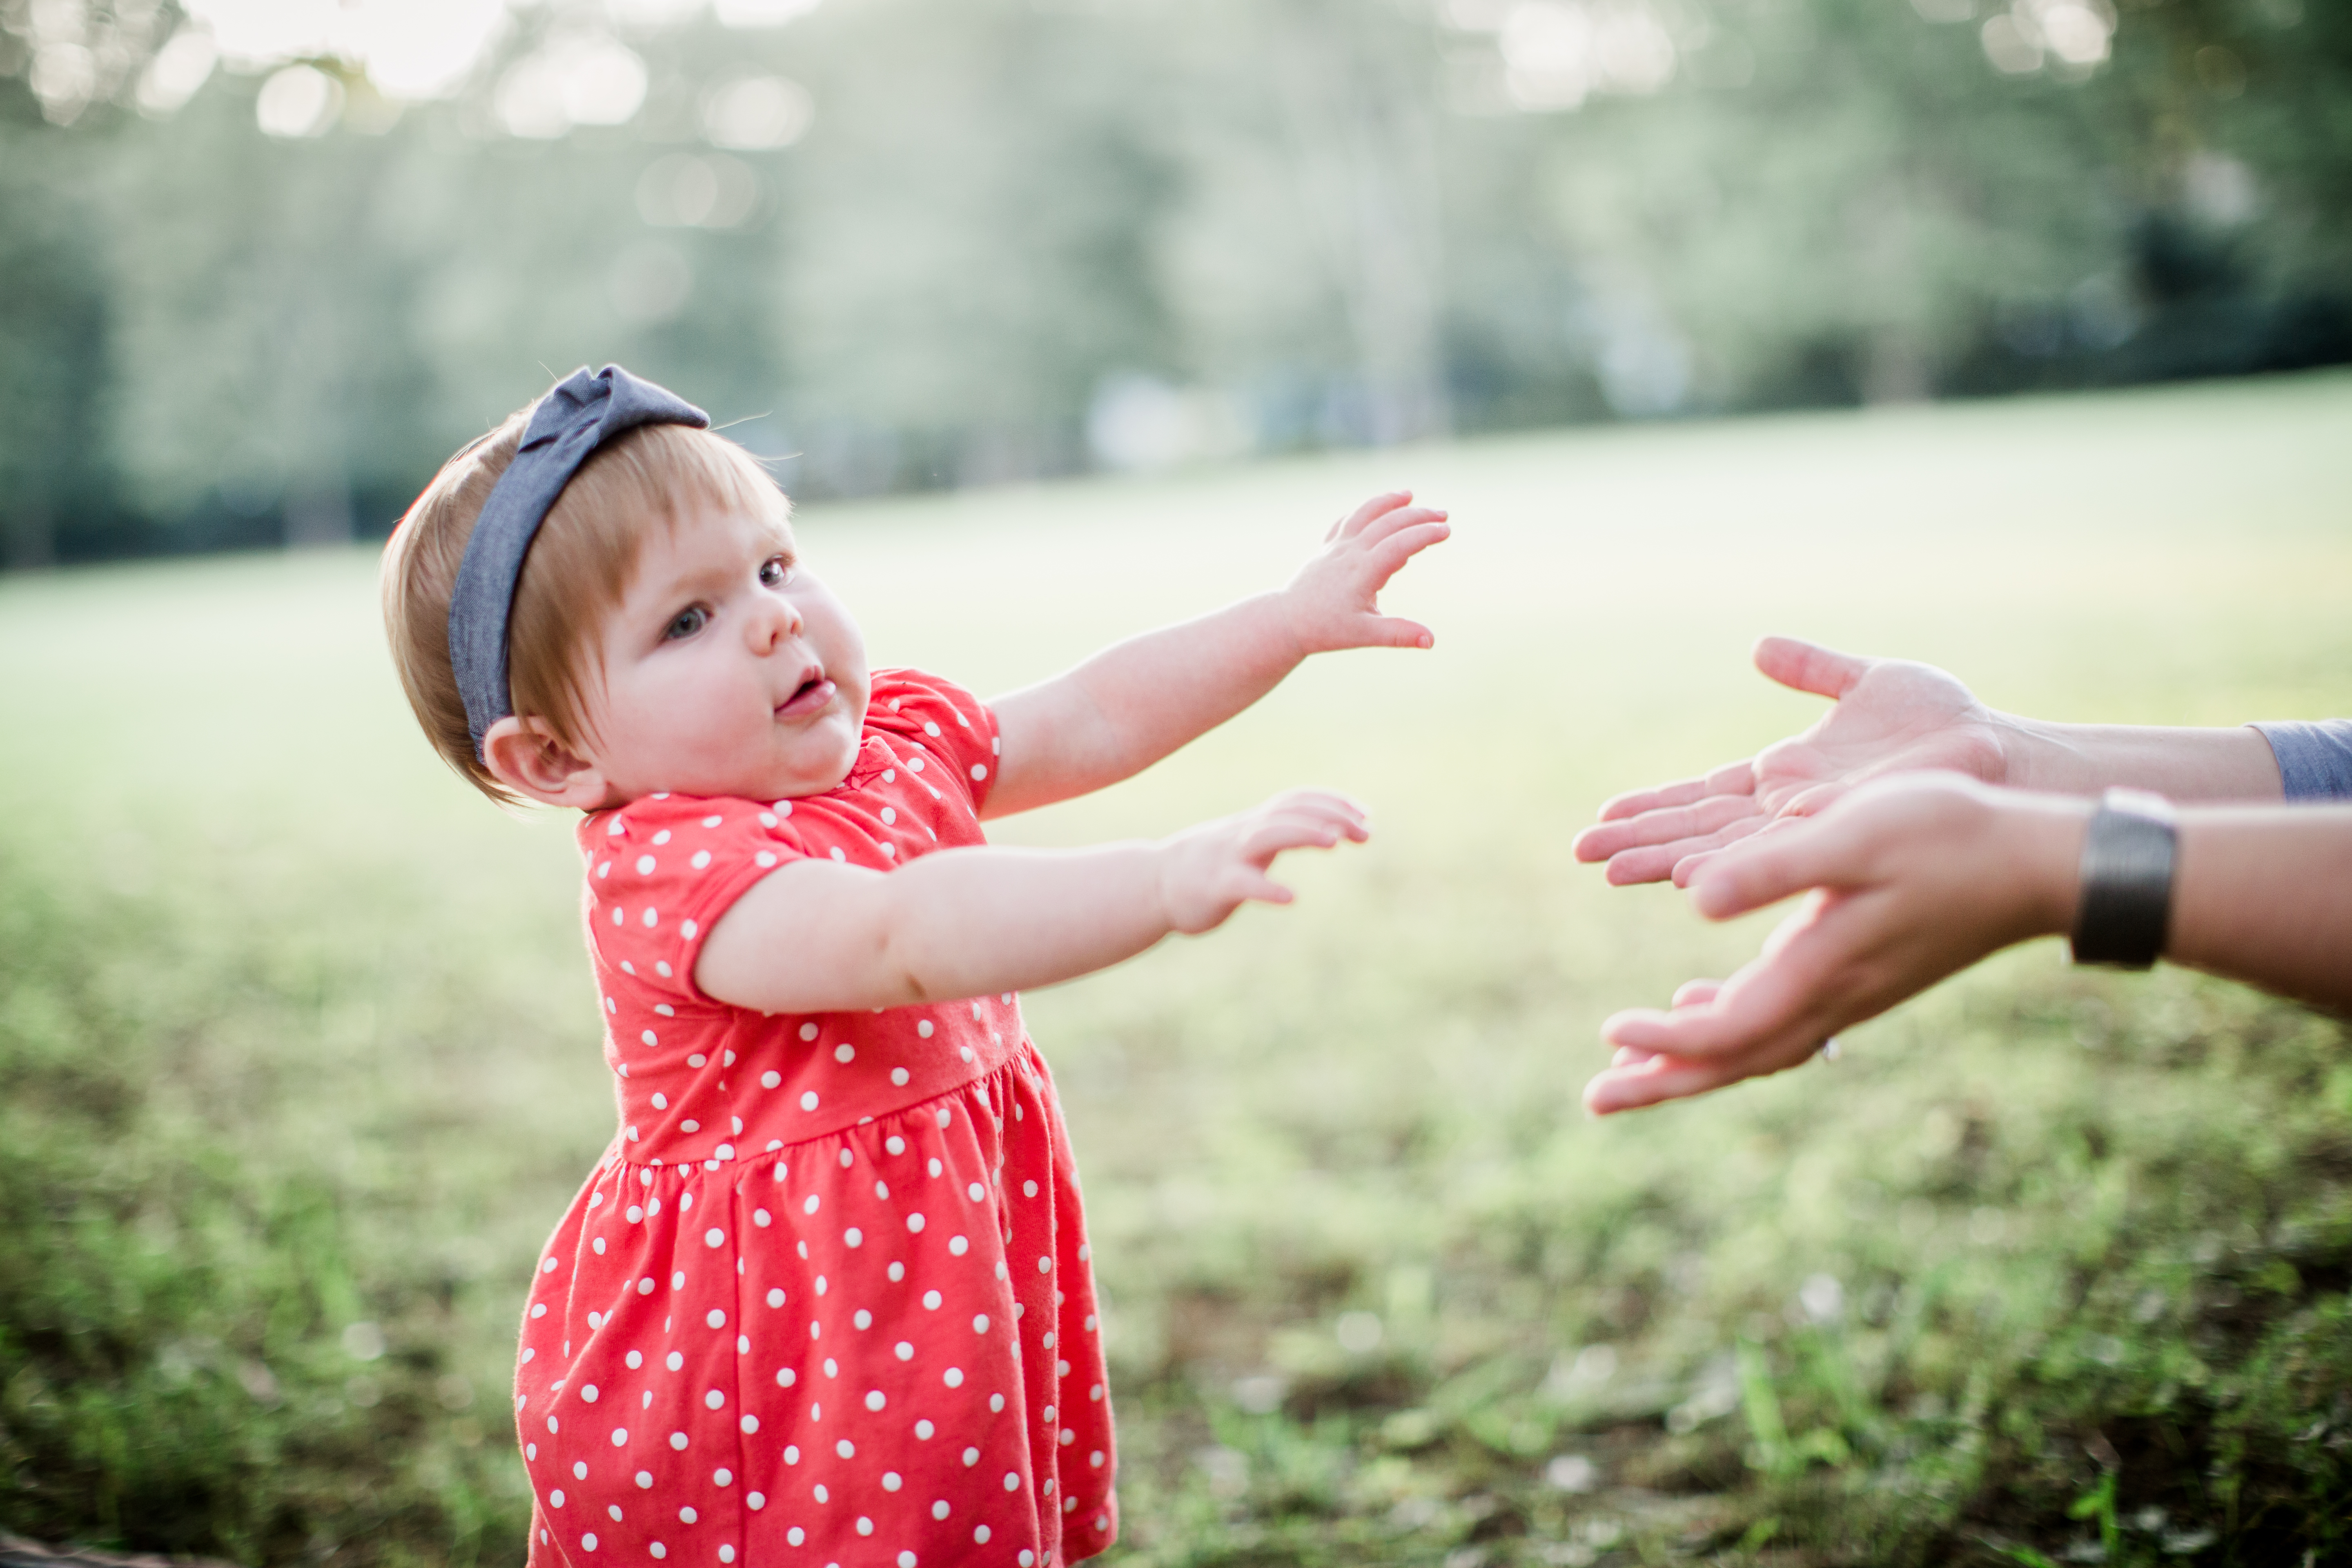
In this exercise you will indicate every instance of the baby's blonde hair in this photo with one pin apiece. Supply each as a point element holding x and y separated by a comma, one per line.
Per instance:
<point>575,574</point>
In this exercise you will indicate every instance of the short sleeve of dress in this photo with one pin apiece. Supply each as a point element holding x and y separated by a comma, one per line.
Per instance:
<point>664,868</point>
<point>942,718</point>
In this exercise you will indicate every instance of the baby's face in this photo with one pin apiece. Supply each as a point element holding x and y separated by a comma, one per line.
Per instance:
<point>727,669</point>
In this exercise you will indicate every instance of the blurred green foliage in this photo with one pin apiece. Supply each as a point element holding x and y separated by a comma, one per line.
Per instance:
<point>297,1059</point>
<point>1022,238</point>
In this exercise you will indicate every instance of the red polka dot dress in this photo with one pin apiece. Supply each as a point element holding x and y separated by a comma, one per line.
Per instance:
<point>827,1297</point>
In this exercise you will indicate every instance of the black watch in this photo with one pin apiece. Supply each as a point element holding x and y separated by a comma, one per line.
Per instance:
<point>2125,902</point>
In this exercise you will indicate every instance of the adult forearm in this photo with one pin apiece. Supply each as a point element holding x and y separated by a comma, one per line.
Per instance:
<point>2183,764</point>
<point>2265,895</point>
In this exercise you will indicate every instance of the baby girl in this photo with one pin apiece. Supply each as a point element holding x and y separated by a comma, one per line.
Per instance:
<point>827,1297</point>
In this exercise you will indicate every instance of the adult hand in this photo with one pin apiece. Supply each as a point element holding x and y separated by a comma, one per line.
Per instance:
<point>1891,716</point>
<point>1333,602</point>
<point>1910,880</point>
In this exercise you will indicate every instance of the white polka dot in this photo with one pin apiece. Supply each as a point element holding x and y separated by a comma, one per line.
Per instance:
<point>895,1144</point>
<point>763,859</point>
<point>932,1299</point>
<point>714,1399</point>
<point>979,770</point>
<point>755,1501</point>
<point>1044,1266</point>
<point>845,1448</point>
<point>935,1167</point>
<point>580,1471</point>
<point>874,1400</point>
<point>724,1478</point>
<point>555,1498</point>
<point>837,854</point>
<point>653,917</point>
<point>712,821</point>
<point>810,1205</point>
<point>791,1453</point>
<point>658,1550</point>
<point>863,1318</point>
<point>845,1052</point>
<point>971,1458</point>
<point>1012,1481</point>
<point>663,837</point>
<point>588,1394</point>
<point>899,1076</point>
<point>980,1323</point>
<point>794,1536</point>
<point>958,1245</point>
<point>713,1237</point>
<point>785,1377</point>
<point>980,1534</point>
<point>717,1320</point>
<point>896,1271</point>
<point>620,1436</point>
<point>588,1543</point>
<point>808,1100</point>
<point>923,1027</point>
<point>996,1402</point>
<point>674,1361</point>
<point>1028,1189</point>
<point>865,1525</point>
<point>697,1059</point>
<point>633,1361</point>
<point>750,1423</point>
<point>770,1078</point>
<point>954,1377</point>
<point>690,1125</point>
<point>645,1480</point>
<point>645,865</point>
<point>686,930</point>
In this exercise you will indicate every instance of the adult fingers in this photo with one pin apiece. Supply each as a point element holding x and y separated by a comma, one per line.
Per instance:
<point>1663,824</point>
<point>1716,844</point>
<point>1809,667</point>
<point>1379,506</point>
<point>1732,778</point>
<point>1815,852</point>
<point>1659,1078</point>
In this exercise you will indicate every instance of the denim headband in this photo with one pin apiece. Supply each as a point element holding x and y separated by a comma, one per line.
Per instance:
<point>566,429</point>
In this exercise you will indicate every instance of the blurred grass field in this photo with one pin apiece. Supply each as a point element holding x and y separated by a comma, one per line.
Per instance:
<point>297,1063</point>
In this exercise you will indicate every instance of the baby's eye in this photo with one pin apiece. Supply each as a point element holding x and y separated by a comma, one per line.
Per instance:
<point>775,571</point>
<point>685,623</point>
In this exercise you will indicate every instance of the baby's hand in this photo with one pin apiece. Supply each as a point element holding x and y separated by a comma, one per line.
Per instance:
<point>1209,871</point>
<point>1334,601</point>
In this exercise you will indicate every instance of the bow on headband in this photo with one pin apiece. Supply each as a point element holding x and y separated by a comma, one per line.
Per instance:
<point>566,429</point>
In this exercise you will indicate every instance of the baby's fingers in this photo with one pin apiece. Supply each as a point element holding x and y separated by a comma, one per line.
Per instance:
<point>1353,524</point>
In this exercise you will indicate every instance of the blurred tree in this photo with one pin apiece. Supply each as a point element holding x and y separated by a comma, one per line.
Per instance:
<point>911,242</point>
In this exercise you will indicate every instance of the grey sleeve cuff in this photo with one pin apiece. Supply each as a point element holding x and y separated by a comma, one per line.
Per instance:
<point>2315,758</point>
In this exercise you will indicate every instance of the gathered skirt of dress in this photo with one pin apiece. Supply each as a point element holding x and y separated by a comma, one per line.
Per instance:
<point>877,1346</point>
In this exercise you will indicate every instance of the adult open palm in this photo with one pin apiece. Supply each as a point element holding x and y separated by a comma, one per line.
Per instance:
<point>1890,715</point>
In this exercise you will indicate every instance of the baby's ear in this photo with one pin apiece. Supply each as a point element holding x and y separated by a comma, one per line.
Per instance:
<point>528,757</point>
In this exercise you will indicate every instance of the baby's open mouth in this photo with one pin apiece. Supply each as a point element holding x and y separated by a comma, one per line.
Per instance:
<point>809,697</point>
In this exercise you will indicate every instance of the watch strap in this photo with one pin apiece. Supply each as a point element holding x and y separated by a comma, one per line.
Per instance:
<point>2125,905</point>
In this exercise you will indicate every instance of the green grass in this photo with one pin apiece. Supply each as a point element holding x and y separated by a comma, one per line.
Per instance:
<point>298,1062</point>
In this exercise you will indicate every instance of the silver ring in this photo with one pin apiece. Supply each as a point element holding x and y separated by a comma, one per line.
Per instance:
<point>1829,1049</point>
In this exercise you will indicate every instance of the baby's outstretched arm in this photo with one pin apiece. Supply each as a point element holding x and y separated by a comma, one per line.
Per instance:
<point>819,937</point>
<point>1136,701</point>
